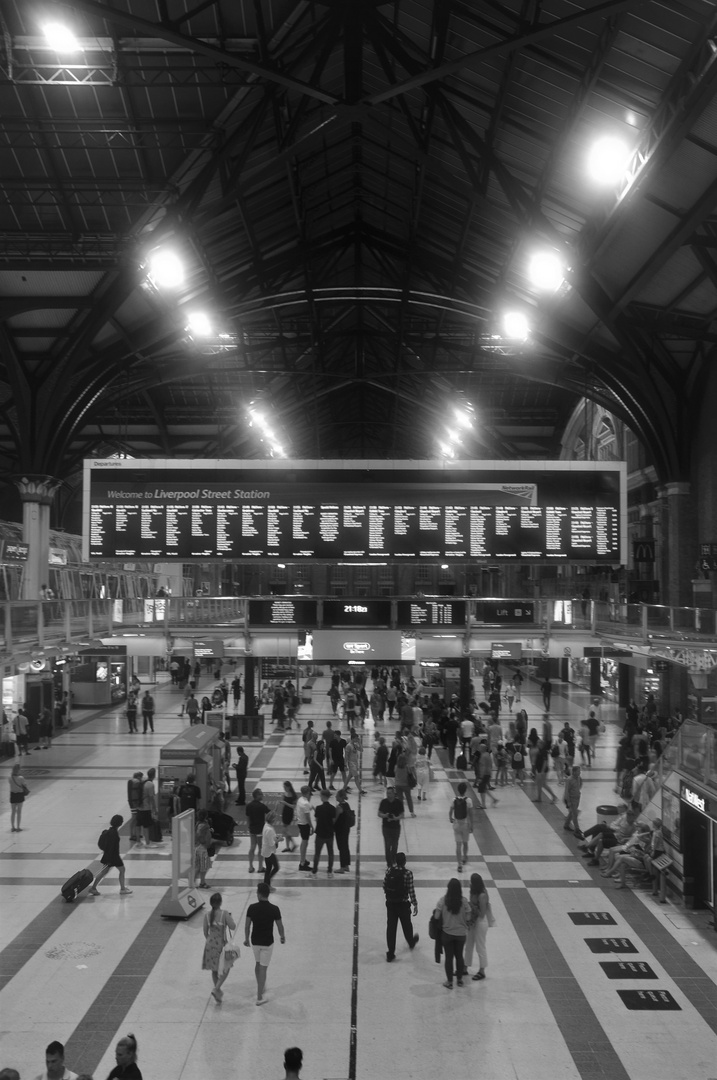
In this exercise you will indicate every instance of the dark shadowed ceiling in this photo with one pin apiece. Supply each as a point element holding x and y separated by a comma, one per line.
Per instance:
<point>355,187</point>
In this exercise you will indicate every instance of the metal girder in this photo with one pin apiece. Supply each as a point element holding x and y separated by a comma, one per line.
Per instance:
<point>518,41</point>
<point>221,56</point>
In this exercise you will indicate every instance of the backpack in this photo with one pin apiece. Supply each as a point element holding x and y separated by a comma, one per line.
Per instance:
<point>460,808</point>
<point>461,763</point>
<point>555,751</point>
<point>103,839</point>
<point>394,885</point>
<point>518,758</point>
<point>350,816</point>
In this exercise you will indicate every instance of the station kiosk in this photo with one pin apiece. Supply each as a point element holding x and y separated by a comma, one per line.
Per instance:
<point>197,749</point>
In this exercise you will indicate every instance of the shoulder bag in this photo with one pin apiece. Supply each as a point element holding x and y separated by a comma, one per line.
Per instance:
<point>230,952</point>
<point>435,925</point>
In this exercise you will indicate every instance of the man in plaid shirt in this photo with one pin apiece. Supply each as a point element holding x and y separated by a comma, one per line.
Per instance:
<point>400,899</point>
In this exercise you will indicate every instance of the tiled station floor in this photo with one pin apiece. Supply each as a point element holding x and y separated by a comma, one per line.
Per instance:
<point>550,1007</point>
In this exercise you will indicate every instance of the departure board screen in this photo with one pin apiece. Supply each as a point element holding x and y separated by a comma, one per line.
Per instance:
<point>283,611</point>
<point>355,511</point>
<point>430,613</point>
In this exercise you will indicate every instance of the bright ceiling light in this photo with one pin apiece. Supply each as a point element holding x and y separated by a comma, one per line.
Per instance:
<point>608,160</point>
<point>545,270</point>
<point>166,269</point>
<point>464,418</point>
<point>199,324</point>
<point>446,450</point>
<point>60,38</point>
<point>515,325</point>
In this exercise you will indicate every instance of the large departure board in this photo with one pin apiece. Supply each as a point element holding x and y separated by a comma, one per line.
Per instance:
<point>355,511</point>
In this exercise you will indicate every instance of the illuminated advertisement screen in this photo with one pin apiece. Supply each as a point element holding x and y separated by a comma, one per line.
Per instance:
<point>355,511</point>
<point>283,611</point>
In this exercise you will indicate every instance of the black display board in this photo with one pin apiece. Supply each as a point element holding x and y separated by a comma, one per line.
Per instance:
<point>592,918</point>
<point>430,613</point>
<point>357,613</point>
<point>649,1000</point>
<point>610,945</point>
<point>627,969</point>
<point>283,611</point>
<point>354,511</point>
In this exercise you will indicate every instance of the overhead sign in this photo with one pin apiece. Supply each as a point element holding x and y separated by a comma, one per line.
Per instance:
<point>506,650</point>
<point>57,557</point>
<point>504,612</point>
<point>342,645</point>
<point>213,648</point>
<point>643,551</point>
<point>283,611</point>
<point>357,613</point>
<point>698,801</point>
<point>355,511</point>
<point>430,613</point>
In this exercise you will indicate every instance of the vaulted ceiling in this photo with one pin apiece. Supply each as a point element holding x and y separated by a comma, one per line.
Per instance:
<point>355,187</point>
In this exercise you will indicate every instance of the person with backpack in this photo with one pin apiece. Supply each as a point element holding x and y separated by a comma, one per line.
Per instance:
<point>189,794</point>
<point>460,816</point>
<point>109,845</point>
<point>343,824</point>
<point>135,795</point>
<point>400,896</point>
<point>518,762</point>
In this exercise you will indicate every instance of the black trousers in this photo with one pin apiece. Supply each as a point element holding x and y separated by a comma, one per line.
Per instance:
<point>342,844</point>
<point>317,776</point>
<point>241,790</point>
<point>391,837</point>
<point>147,718</point>
<point>271,867</point>
<point>320,842</point>
<point>395,911</point>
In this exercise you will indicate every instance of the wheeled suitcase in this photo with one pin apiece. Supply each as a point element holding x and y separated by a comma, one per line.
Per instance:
<point>77,884</point>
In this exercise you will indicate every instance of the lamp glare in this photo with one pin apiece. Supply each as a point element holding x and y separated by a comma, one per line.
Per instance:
<point>515,325</point>
<point>60,38</point>
<point>166,270</point>
<point>545,271</point>
<point>608,160</point>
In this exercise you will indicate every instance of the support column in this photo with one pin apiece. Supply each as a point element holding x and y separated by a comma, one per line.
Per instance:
<point>37,491</point>
<point>679,547</point>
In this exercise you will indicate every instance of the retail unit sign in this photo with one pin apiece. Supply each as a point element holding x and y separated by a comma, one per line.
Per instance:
<point>356,511</point>
<point>372,645</point>
<point>697,801</point>
<point>506,650</point>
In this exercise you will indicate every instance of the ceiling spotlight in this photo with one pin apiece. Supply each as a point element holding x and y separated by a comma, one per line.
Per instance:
<point>463,418</point>
<point>444,566</point>
<point>515,325</point>
<point>608,160</point>
<point>545,270</point>
<point>446,450</point>
<point>60,38</point>
<point>166,269</point>
<point>199,324</point>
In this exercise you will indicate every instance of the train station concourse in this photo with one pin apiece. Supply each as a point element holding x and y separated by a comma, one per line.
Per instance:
<point>357,365</point>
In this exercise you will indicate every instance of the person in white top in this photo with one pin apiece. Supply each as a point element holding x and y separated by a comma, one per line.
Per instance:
<point>55,1068</point>
<point>269,844</point>
<point>303,821</point>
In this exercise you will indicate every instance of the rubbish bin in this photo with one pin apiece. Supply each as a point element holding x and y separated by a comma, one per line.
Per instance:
<point>606,814</point>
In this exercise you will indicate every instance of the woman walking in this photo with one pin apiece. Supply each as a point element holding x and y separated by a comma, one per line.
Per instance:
<point>454,912</point>
<point>217,926</point>
<point>126,1058</point>
<point>18,791</point>
<point>288,808</point>
<point>478,926</point>
<point>403,785</point>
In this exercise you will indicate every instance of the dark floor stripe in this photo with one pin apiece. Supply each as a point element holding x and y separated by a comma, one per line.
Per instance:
<point>97,1028</point>
<point>30,940</point>
<point>584,1036</point>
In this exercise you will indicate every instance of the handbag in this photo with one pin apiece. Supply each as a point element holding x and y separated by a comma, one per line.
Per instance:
<point>230,952</point>
<point>25,790</point>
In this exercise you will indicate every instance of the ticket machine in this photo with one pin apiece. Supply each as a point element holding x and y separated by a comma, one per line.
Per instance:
<point>197,749</point>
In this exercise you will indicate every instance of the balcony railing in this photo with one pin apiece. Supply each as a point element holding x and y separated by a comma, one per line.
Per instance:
<point>45,623</point>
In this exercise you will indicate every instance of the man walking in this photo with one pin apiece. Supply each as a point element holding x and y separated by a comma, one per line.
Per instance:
<point>325,815</point>
<point>240,768</point>
<point>192,710</point>
<point>390,810</point>
<point>147,712</point>
<point>269,844</point>
<point>344,822</point>
<point>260,919</point>
<point>256,814</point>
<point>400,899</point>
<point>547,692</point>
<point>303,822</point>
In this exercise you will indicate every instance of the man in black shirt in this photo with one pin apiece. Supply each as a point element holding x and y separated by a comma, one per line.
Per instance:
<point>325,814</point>
<point>109,844</point>
<point>240,768</point>
<point>400,898</point>
<point>256,812</point>
<point>189,794</point>
<point>390,810</point>
<point>260,918</point>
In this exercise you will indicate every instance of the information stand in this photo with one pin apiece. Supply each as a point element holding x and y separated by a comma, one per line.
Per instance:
<point>184,899</point>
